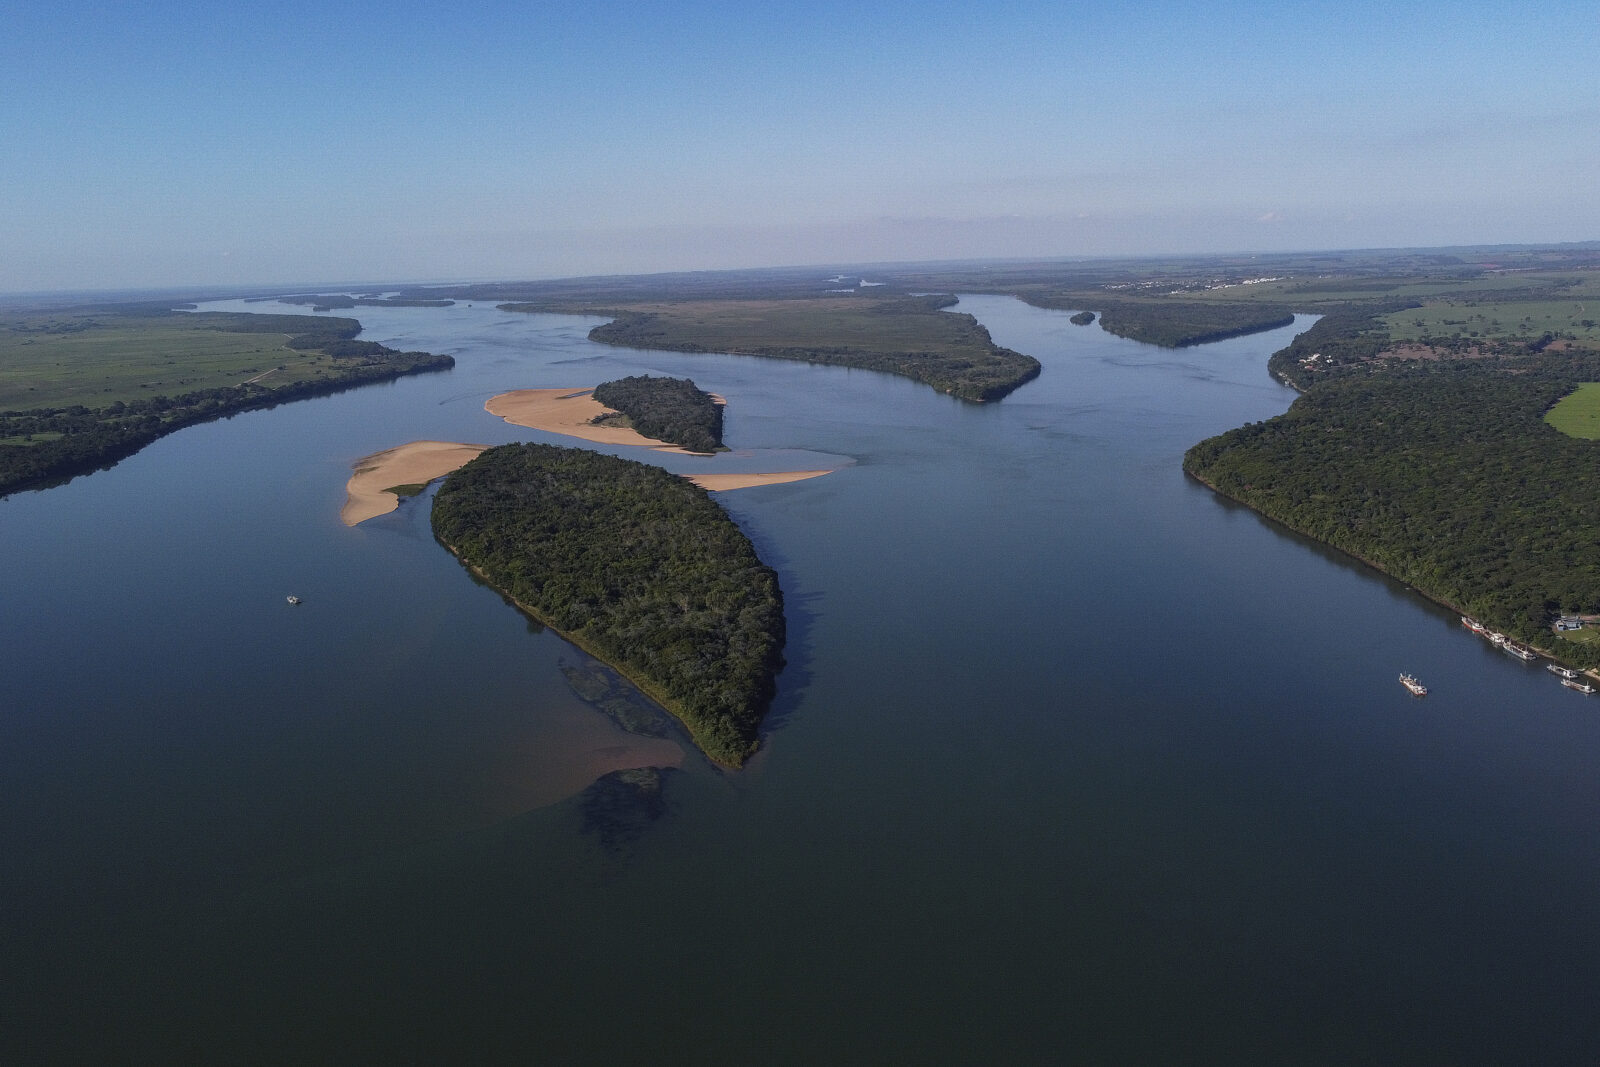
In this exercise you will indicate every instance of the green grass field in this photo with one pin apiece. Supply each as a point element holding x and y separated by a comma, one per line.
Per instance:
<point>1578,414</point>
<point>98,359</point>
<point>1519,320</point>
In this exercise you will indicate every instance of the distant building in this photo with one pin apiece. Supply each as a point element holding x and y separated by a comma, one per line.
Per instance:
<point>1569,622</point>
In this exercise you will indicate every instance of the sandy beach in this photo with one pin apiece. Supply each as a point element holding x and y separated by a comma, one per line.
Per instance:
<point>417,463</point>
<point>570,412</point>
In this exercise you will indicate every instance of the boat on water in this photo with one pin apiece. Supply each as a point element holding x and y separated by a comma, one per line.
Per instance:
<point>292,599</point>
<point>1494,638</point>
<point>1573,683</point>
<point>1565,672</point>
<point>1474,625</point>
<point>1521,653</point>
<point>1416,687</point>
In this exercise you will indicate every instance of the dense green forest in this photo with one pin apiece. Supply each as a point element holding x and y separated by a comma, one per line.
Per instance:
<point>1445,475</point>
<point>1170,323</point>
<point>667,409</point>
<point>52,443</point>
<point>637,566</point>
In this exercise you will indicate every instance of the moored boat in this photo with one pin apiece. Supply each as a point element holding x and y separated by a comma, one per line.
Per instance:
<point>1573,683</point>
<point>1565,672</point>
<point>1521,653</point>
<point>1416,687</point>
<point>1474,625</point>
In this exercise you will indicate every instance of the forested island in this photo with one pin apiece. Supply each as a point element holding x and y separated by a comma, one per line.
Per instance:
<point>896,334</point>
<point>635,565</point>
<point>1420,444</point>
<point>78,391</point>
<point>666,409</point>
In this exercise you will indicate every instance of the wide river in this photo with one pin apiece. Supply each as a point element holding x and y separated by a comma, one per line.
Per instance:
<point>1072,761</point>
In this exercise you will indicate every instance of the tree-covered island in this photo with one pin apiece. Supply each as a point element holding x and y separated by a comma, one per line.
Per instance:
<point>666,409</point>
<point>637,566</point>
<point>902,334</point>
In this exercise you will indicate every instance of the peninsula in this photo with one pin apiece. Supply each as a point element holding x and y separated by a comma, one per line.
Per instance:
<point>634,565</point>
<point>82,389</point>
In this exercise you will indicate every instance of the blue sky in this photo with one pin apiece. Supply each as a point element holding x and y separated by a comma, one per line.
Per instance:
<point>186,144</point>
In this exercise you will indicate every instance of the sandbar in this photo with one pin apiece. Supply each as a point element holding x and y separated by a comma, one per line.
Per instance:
<point>716,483</point>
<point>367,493</point>
<point>570,412</point>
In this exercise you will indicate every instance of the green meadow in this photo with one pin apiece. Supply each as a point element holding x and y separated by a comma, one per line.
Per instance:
<point>58,360</point>
<point>1578,415</point>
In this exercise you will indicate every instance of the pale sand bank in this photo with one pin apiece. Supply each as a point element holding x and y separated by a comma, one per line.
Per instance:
<point>570,412</point>
<point>718,482</point>
<point>417,463</point>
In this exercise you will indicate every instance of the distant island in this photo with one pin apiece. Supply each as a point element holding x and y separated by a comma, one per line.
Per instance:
<point>1082,318</point>
<point>667,409</point>
<point>899,334</point>
<point>634,565</point>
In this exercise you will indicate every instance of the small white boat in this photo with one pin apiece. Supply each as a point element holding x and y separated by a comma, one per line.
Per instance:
<point>1416,687</point>
<point>1565,672</point>
<point>1518,651</point>
<point>1573,683</point>
<point>292,599</point>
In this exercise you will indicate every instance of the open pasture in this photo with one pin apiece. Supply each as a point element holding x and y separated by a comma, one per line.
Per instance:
<point>1515,320</point>
<point>58,360</point>
<point>1578,414</point>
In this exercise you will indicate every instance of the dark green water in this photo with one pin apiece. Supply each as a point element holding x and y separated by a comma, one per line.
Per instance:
<point>1072,761</point>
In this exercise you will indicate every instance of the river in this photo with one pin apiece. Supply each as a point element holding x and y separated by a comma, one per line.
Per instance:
<point>1072,759</point>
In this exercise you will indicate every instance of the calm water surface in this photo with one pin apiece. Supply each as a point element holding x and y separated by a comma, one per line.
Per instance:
<point>1072,760</point>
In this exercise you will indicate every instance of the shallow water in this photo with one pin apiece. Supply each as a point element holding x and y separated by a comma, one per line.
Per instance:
<point>1072,759</point>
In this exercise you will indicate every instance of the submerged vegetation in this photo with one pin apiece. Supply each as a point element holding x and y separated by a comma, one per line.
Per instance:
<point>667,409</point>
<point>637,566</point>
<point>81,391</point>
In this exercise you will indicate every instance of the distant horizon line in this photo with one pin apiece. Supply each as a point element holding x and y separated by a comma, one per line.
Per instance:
<point>286,288</point>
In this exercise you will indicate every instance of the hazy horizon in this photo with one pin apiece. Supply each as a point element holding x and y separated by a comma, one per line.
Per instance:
<point>182,146</point>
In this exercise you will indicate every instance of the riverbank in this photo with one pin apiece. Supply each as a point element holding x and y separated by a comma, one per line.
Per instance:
<point>1442,601</point>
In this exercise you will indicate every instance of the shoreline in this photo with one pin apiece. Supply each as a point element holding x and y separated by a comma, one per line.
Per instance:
<point>571,412</point>
<point>368,492</point>
<point>644,686</point>
<point>1543,654</point>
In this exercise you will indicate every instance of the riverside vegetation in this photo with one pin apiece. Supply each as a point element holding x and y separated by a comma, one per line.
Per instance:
<point>1433,440</point>
<point>79,390</point>
<point>637,566</point>
<point>667,409</point>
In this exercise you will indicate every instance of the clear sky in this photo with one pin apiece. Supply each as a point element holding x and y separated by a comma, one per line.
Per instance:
<point>175,143</point>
